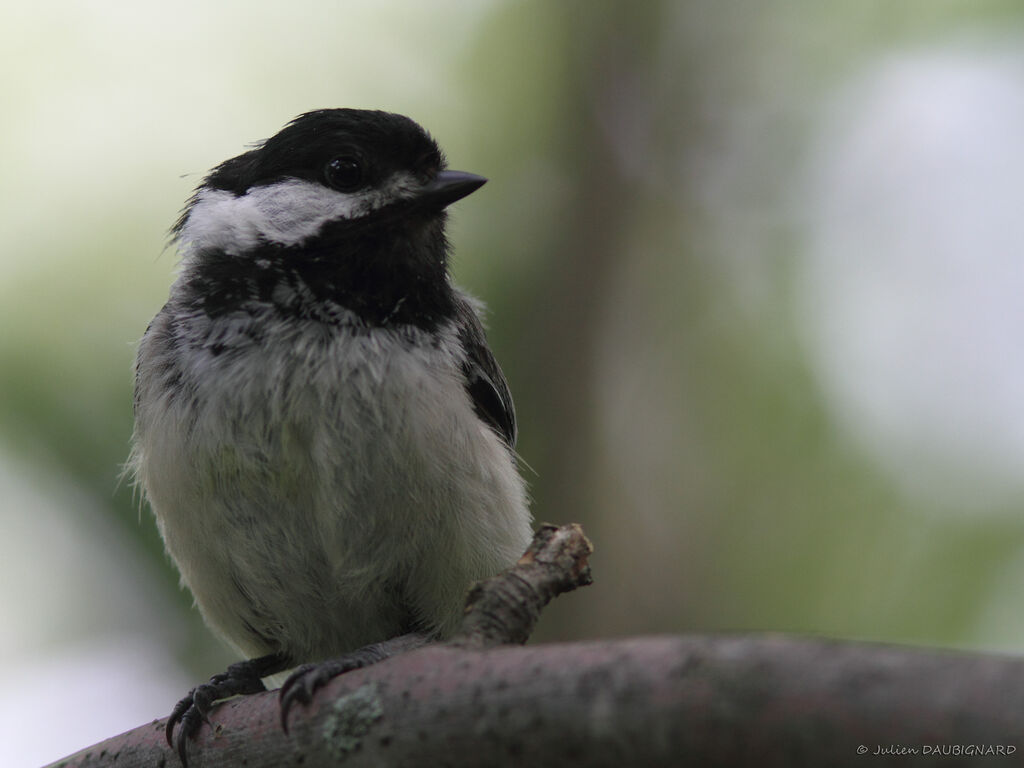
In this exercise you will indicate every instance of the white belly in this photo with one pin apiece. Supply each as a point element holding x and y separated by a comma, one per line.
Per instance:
<point>337,494</point>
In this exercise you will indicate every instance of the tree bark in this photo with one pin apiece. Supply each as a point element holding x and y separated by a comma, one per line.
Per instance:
<point>669,701</point>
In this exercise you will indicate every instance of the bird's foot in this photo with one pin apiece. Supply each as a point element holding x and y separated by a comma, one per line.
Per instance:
<point>191,712</point>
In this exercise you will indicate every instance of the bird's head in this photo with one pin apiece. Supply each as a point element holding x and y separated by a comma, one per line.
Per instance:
<point>328,172</point>
<point>347,205</point>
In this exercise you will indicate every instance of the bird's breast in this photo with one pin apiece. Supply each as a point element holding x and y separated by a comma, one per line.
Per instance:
<point>312,468</point>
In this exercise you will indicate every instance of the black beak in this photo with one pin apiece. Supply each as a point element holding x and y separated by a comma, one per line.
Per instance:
<point>447,187</point>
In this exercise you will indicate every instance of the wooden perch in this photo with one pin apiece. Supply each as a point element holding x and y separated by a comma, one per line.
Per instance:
<point>670,701</point>
<point>504,609</point>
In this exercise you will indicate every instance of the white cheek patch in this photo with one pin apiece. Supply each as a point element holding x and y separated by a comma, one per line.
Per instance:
<point>287,212</point>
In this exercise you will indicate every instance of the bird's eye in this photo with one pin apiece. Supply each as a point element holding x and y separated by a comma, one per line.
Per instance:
<point>345,173</point>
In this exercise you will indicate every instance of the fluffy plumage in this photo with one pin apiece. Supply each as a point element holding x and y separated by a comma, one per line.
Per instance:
<point>320,428</point>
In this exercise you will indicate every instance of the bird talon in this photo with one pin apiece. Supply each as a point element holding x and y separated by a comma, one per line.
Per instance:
<point>296,688</point>
<point>191,712</point>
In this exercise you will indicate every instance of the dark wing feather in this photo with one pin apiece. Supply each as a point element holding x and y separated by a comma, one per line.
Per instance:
<point>485,382</point>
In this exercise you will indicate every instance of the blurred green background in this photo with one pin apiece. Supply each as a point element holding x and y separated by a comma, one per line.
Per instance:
<point>754,275</point>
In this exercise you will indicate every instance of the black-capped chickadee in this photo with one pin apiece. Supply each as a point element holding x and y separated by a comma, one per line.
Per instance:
<point>320,428</point>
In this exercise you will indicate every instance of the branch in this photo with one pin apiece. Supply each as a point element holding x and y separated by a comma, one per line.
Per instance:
<point>703,700</point>
<point>504,609</point>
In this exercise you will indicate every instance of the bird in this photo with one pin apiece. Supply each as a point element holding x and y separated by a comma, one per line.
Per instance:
<point>320,427</point>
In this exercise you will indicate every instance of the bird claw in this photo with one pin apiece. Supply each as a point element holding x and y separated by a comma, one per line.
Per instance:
<point>193,710</point>
<point>190,714</point>
<point>308,679</point>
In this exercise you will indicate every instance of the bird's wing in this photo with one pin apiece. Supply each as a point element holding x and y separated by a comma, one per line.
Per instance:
<point>485,382</point>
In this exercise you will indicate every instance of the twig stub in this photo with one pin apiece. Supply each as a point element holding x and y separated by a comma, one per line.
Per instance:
<point>504,609</point>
